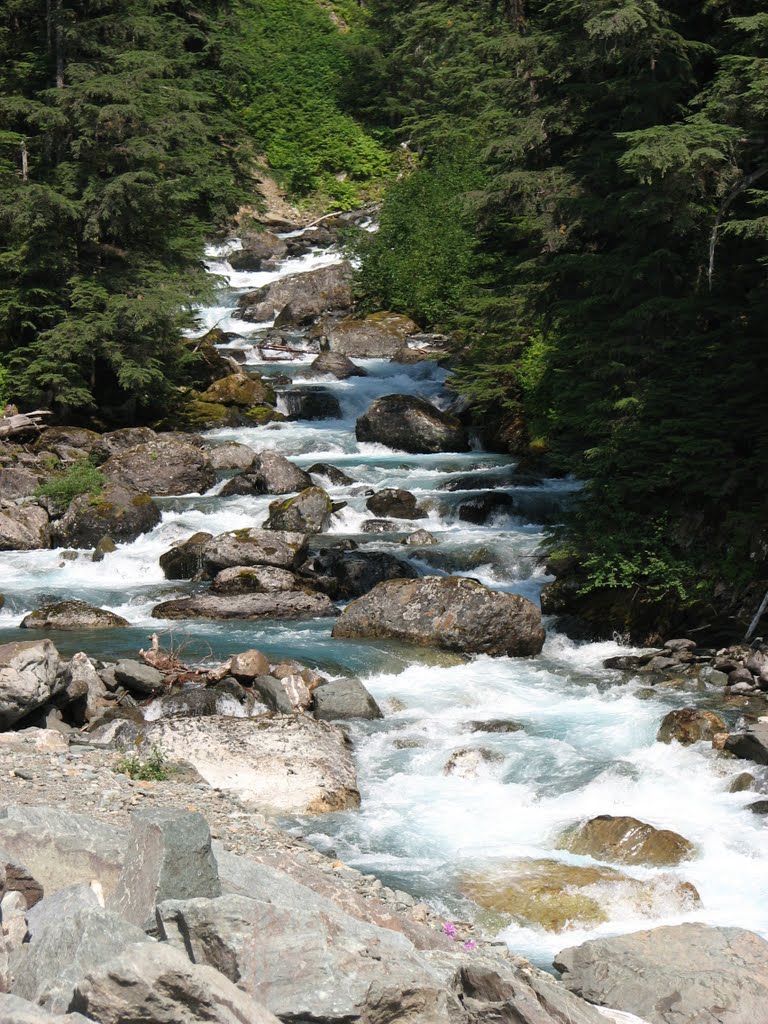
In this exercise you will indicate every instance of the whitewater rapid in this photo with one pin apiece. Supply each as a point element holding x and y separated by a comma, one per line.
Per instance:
<point>587,744</point>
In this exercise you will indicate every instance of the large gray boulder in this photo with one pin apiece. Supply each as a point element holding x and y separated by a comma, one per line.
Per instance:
<point>751,743</point>
<point>334,364</point>
<point>120,512</point>
<point>63,948</point>
<point>270,473</point>
<point>72,615</point>
<point>299,298</point>
<point>295,604</point>
<point>31,673</point>
<point>152,983</point>
<point>411,424</point>
<point>24,528</point>
<point>344,699</point>
<point>351,972</point>
<point>231,455</point>
<point>168,856</point>
<point>378,336</point>
<point>281,763</point>
<point>166,465</point>
<point>139,678</point>
<point>686,972</point>
<point>348,574</point>
<point>448,612</point>
<point>60,848</point>
<point>256,579</point>
<point>309,512</point>
<point>254,547</point>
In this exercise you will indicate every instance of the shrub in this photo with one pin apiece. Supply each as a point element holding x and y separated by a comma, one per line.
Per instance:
<point>66,484</point>
<point>153,768</point>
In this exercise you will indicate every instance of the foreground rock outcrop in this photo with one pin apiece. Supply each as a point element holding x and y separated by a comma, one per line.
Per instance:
<point>687,972</point>
<point>449,612</point>
<point>289,765</point>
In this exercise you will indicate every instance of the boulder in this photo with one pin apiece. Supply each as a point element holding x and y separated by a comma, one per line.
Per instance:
<point>311,404</point>
<point>255,547</point>
<point>332,474</point>
<point>116,441</point>
<point>411,424</point>
<point>395,502</point>
<point>258,248</point>
<point>271,473</point>
<point>256,579</point>
<point>119,512</point>
<point>231,455</point>
<point>554,896</point>
<point>686,972</point>
<point>247,607</point>
<point>336,365</point>
<point>299,298</point>
<point>348,574</point>
<point>420,539</point>
<point>690,725</point>
<point>344,698</point>
<point>751,743</point>
<point>185,559</point>
<point>65,946</point>
<point>168,857</point>
<point>139,678</point>
<point>60,848</point>
<point>167,465</point>
<point>15,1010</point>
<point>69,437</point>
<point>72,615</point>
<point>104,547</point>
<point>448,612</point>
<point>18,482</point>
<point>309,512</point>
<point>626,840</point>
<point>484,507</point>
<point>30,675</point>
<point>378,336</point>
<point>247,665</point>
<point>25,528</point>
<point>84,685</point>
<point>351,972</point>
<point>226,698</point>
<point>278,763</point>
<point>241,389</point>
<point>152,983</point>
<point>469,762</point>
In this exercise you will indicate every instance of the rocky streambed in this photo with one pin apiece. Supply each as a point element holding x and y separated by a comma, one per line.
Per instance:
<point>344,586</point>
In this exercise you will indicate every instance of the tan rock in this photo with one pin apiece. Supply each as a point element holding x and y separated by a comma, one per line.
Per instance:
<point>249,664</point>
<point>626,840</point>
<point>690,725</point>
<point>241,389</point>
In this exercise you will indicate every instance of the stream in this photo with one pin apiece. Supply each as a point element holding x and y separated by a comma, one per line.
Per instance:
<point>587,744</point>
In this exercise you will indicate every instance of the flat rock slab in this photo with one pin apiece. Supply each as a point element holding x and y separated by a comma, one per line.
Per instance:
<point>284,764</point>
<point>247,607</point>
<point>60,848</point>
<point>448,612</point>
<point>683,973</point>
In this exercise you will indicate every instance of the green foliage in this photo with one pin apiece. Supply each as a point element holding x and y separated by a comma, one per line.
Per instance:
<point>283,63</point>
<point>64,485</point>
<point>153,768</point>
<point>5,386</point>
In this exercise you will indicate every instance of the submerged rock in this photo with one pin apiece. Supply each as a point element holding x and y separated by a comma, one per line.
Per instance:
<point>411,424</point>
<point>333,474</point>
<point>626,840</point>
<point>247,607</point>
<point>686,972</point>
<point>420,539</point>
<point>70,615</point>
<point>469,762</point>
<point>448,612</point>
<point>284,764</point>
<point>690,725</point>
<point>349,574</point>
<point>556,896</point>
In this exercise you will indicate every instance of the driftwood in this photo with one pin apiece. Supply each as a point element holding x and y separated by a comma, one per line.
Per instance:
<point>169,663</point>
<point>21,424</point>
<point>756,620</point>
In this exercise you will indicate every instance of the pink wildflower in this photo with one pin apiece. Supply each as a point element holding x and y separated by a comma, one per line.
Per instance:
<point>450,929</point>
<point>469,945</point>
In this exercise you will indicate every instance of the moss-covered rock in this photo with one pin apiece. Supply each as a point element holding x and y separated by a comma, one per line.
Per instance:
<point>241,389</point>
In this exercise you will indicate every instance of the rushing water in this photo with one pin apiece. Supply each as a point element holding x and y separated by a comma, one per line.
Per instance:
<point>587,745</point>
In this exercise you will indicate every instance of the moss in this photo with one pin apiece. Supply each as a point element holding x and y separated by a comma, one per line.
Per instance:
<point>260,414</point>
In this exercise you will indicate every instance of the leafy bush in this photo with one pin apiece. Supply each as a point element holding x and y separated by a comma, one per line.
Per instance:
<point>5,387</point>
<point>153,768</point>
<point>66,484</point>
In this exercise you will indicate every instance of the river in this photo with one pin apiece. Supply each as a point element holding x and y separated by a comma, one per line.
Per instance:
<point>587,746</point>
